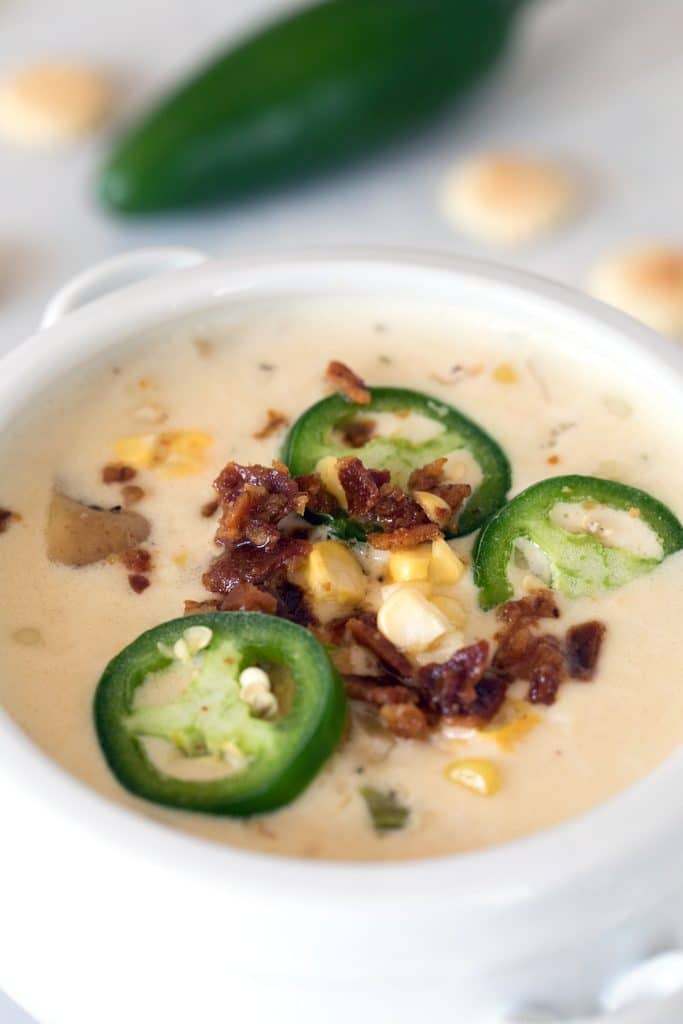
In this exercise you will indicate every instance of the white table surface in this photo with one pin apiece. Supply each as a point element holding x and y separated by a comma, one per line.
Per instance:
<point>596,82</point>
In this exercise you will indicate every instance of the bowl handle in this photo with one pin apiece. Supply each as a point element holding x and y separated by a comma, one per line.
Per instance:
<point>115,273</point>
<point>653,986</point>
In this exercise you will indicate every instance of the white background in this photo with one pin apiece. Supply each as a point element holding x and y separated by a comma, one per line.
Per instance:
<point>596,83</point>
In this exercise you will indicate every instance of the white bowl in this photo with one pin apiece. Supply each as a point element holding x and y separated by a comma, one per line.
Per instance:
<point>109,917</point>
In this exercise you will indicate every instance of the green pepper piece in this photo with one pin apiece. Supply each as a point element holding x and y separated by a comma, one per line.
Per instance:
<point>311,90</point>
<point>312,438</point>
<point>580,565</point>
<point>277,758</point>
<point>386,811</point>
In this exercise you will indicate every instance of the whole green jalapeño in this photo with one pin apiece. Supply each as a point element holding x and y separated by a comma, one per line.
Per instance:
<point>235,743</point>
<point>578,562</point>
<point>320,432</point>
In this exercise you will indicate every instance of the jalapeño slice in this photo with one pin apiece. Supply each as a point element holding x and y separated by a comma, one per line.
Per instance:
<point>232,751</point>
<point>579,562</point>
<point>320,431</point>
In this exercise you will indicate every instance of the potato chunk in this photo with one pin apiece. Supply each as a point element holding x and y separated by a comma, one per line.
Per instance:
<point>80,535</point>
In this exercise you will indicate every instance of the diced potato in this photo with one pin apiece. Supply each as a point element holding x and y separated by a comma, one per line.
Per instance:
<point>410,620</point>
<point>445,566</point>
<point>476,774</point>
<point>410,565</point>
<point>333,579</point>
<point>434,507</point>
<point>80,535</point>
<point>452,609</point>
<point>327,468</point>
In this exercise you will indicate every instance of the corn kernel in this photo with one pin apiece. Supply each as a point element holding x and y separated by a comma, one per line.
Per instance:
<point>327,468</point>
<point>333,578</point>
<point>513,722</point>
<point>410,565</point>
<point>135,451</point>
<point>181,452</point>
<point>410,620</point>
<point>443,649</point>
<point>423,587</point>
<point>435,508</point>
<point>479,776</point>
<point>452,609</point>
<point>173,453</point>
<point>505,374</point>
<point>445,566</point>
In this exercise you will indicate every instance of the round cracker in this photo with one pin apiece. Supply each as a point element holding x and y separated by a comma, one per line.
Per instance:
<point>645,281</point>
<point>51,103</point>
<point>507,199</point>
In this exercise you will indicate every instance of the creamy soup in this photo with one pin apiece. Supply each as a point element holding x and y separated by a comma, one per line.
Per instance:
<point>207,387</point>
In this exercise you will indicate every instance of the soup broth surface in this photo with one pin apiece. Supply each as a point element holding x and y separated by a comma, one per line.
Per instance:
<point>219,374</point>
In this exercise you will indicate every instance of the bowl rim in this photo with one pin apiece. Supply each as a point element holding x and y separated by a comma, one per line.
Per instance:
<point>645,814</point>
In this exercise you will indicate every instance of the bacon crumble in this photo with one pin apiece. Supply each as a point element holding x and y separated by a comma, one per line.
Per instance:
<point>378,690</point>
<point>137,560</point>
<point>584,643</point>
<point>6,517</point>
<point>275,421</point>
<point>347,383</point>
<point>209,508</point>
<point>131,494</point>
<point>406,537</point>
<point>367,635</point>
<point>117,473</point>
<point>406,721</point>
<point>357,433</point>
<point>138,582</point>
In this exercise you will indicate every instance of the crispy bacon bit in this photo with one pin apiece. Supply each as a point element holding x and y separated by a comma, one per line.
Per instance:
<point>406,721</point>
<point>319,498</point>
<point>367,635</point>
<point>357,433</point>
<point>275,421</point>
<point>583,649</point>
<point>522,654</point>
<point>426,478</point>
<point>245,597</point>
<point>378,691</point>
<point>396,510</point>
<point>209,508</point>
<point>539,605</point>
<point>131,494</point>
<point>461,688</point>
<point>201,607</point>
<point>454,495</point>
<point>408,537</point>
<point>430,478</point>
<point>117,473</point>
<point>6,518</point>
<point>137,560</point>
<point>254,499</point>
<point>361,485</point>
<point>138,582</point>
<point>292,604</point>
<point>347,383</point>
<point>246,563</point>
<point>547,668</point>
